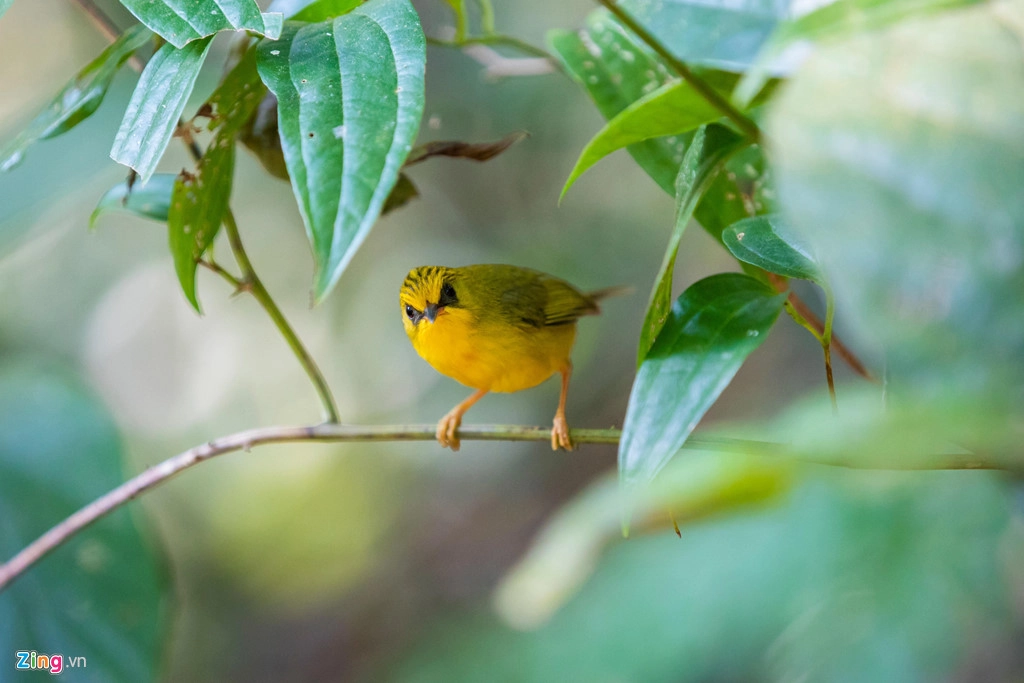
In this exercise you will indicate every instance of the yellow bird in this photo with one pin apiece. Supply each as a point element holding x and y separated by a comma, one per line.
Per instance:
<point>495,328</point>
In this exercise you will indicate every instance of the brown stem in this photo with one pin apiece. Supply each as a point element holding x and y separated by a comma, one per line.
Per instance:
<point>844,352</point>
<point>780,284</point>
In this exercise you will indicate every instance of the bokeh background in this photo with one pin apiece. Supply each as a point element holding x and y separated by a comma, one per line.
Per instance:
<point>380,562</point>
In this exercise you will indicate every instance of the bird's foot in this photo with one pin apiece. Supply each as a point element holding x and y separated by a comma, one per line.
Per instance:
<point>447,427</point>
<point>560,434</point>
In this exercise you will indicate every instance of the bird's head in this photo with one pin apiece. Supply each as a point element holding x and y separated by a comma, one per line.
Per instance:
<point>427,294</point>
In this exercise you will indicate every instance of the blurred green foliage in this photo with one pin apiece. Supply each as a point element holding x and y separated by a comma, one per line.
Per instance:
<point>101,596</point>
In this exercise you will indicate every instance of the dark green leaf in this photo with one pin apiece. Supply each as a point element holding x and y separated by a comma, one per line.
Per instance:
<point>179,25</point>
<point>477,151</point>
<point>834,20</point>
<point>79,98</point>
<point>156,106</point>
<point>768,242</point>
<point>911,193</point>
<point>673,109</point>
<point>99,595</point>
<point>233,102</point>
<point>200,201</point>
<point>313,10</point>
<point>401,194</point>
<point>616,70</point>
<point>714,325</point>
<point>198,205</point>
<point>350,99</point>
<point>261,136</point>
<point>711,146</point>
<point>322,10</point>
<point>147,200</point>
<point>724,34</point>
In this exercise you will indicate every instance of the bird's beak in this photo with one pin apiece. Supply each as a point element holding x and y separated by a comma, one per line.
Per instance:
<point>432,311</point>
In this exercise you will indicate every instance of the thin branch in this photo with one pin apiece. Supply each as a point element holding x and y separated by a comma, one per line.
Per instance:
<point>826,345</point>
<point>105,25</point>
<point>801,313</point>
<point>215,267</point>
<point>844,352</point>
<point>497,65</point>
<point>714,98</point>
<point>328,433</point>
<point>252,281</point>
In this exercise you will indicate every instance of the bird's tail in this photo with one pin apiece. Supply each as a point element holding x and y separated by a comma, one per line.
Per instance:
<point>606,293</point>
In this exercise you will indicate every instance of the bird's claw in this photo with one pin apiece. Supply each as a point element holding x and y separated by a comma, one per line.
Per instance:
<point>447,427</point>
<point>560,434</point>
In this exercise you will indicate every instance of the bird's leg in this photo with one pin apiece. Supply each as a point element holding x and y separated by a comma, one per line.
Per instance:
<point>448,424</point>
<point>560,430</point>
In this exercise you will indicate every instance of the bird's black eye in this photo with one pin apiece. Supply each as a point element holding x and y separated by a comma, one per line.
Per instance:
<point>448,297</point>
<point>410,311</point>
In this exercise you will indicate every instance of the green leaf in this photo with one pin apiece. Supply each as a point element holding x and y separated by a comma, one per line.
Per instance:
<point>724,34</point>
<point>742,190</point>
<point>401,194</point>
<point>911,193</point>
<point>313,10</point>
<point>198,205</point>
<point>147,200</point>
<point>156,105</point>
<point>180,23</point>
<point>200,201</point>
<point>833,21</point>
<point>350,98</point>
<point>673,109</point>
<point>616,70</point>
<point>322,10</point>
<point>99,596</point>
<point>79,98</point>
<point>768,242</point>
<point>711,146</point>
<point>714,325</point>
<point>233,102</point>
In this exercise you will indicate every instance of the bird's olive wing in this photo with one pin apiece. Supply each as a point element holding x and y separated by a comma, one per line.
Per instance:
<point>564,302</point>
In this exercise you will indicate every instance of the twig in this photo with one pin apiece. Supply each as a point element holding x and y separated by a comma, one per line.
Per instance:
<point>801,313</point>
<point>105,25</point>
<point>497,65</point>
<point>251,281</point>
<point>324,433</point>
<point>719,102</point>
<point>215,267</point>
<point>826,345</point>
<point>844,352</point>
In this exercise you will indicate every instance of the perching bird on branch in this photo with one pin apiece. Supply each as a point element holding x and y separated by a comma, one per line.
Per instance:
<point>495,328</point>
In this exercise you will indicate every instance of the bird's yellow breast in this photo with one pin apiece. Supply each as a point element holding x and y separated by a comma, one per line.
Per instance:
<point>493,356</point>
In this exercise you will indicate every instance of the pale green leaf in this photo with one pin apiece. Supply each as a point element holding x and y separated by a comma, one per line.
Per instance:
<point>156,105</point>
<point>350,98</point>
<point>182,21</point>
<point>79,98</point>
